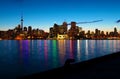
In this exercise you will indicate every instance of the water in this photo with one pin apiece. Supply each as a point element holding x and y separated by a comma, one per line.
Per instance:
<point>18,58</point>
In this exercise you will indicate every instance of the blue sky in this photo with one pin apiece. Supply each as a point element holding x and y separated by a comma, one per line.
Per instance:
<point>43,14</point>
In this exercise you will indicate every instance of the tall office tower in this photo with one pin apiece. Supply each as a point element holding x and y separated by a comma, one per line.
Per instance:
<point>65,27</point>
<point>73,25</point>
<point>29,29</point>
<point>96,31</point>
<point>25,28</point>
<point>115,30</point>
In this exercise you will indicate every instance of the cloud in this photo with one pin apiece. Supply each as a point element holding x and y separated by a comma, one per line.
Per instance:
<point>118,21</point>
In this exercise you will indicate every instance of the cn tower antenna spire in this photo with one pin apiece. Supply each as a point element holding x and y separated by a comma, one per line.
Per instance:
<point>22,21</point>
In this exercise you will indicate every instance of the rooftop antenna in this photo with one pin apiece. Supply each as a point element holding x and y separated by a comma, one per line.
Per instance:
<point>22,20</point>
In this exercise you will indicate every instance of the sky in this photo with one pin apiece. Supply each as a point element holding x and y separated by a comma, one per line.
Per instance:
<point>43,14</point>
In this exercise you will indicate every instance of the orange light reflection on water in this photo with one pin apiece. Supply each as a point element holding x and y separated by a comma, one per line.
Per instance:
<point>78,49</point>
<point>71,48</point>
<point>46,51</point>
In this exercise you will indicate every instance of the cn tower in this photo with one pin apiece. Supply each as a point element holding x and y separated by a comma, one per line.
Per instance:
<point>22,22</point>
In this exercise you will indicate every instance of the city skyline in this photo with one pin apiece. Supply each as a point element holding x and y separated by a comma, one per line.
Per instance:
<point>43,14</point>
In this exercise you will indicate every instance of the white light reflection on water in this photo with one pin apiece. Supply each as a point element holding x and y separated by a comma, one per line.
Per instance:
<point>78,49</point>
<point>86,47</point>
<point>32,56</point>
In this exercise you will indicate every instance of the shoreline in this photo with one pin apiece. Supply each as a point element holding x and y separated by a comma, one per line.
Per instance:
<point>59,39</point>
<point>73,69</point>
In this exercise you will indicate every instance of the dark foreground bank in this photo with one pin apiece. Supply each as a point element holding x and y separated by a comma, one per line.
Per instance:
<point>103,67</point>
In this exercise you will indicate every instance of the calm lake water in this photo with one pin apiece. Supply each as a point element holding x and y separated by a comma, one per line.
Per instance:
<point>18,58</point>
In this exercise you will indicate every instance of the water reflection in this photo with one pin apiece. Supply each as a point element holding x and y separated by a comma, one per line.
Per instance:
<point>32,56</point>
<point>54,53</point>
<point>24,51</point>
<point>114,45</point>
<point>78,49</point>
<point>46,51</point>
<point>86,47</point>
<point>62,51</point>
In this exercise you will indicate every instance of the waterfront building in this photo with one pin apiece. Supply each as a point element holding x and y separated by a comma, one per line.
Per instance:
<point>58,29</point>
<point>115,32</point>
<point>82,35</point>
<point>3,35</point>
<point>73,31</point>
<point>92,35</point>
<point>102,35</point>
<point>25,28</point>
<point>107,34</point>
<point>55,30</point>
<point>29,32</point>
<point>88,35</point>
<point>29,29</point>
<point>64,28</point>
<point>97,34</point>
<point>62,36</point>
<point>51,32</point>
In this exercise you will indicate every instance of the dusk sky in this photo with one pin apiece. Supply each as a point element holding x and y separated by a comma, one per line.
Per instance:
<point>43,14</point>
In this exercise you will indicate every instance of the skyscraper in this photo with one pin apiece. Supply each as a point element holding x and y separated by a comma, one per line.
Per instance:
<point>115,32</point>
